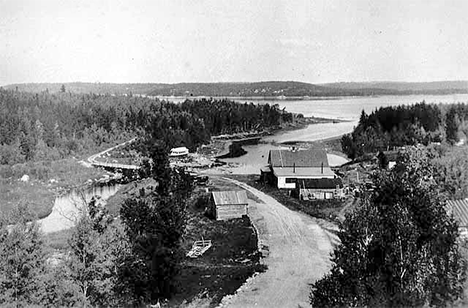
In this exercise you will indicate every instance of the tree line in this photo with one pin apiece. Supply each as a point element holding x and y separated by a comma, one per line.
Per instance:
<point>392,127</point>
<point>47,126</point>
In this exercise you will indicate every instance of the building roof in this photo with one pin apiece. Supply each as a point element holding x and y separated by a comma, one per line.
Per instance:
<point>313,157</point>
<point>179,149</point>
<point>319,183</point>
<point>229,197</point>
<point>303,172</point>
<point>459,209</point>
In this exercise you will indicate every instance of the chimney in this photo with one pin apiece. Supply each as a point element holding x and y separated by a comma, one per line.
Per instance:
<point>322,167</point>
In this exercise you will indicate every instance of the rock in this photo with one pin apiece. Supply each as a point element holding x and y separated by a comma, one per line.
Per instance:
<point>25,178</point>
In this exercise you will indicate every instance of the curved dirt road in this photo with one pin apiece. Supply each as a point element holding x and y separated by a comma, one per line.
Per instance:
<point>298,254</point>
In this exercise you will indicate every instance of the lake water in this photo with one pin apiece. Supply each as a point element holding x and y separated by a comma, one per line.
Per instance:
<point>347,108</point>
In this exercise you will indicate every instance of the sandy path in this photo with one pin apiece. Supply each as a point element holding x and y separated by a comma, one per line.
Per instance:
<point>299,252</point>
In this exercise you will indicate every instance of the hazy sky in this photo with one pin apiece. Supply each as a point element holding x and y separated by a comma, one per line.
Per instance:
<point>202,41</point>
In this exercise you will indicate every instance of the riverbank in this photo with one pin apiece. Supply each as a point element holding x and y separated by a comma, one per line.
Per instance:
<point>230,146</point>
<point>37,184</point>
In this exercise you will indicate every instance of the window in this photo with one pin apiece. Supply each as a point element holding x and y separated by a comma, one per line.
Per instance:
<point>290,180</point>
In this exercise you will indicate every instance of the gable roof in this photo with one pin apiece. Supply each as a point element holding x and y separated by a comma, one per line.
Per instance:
<point>302,158</point>
<point>299,172</point>
<point>459,209</point>
<point>229,197</point>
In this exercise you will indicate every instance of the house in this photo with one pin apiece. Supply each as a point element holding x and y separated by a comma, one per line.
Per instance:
<point>287,167</point>
<point>229,204</point>
<point>459,210</point>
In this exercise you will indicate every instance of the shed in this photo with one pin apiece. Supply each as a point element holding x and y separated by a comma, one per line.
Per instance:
<point>229,204</point>
<point>459,210</point>
<point>319,188</point>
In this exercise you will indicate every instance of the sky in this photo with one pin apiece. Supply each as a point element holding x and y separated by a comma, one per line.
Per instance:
<point>314,41</point>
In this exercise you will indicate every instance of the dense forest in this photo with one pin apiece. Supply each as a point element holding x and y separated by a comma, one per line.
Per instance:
<point>392,127</point>
<point>45,126</point>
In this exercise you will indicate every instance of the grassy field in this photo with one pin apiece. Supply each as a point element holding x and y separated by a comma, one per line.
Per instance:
<point>46,180</point>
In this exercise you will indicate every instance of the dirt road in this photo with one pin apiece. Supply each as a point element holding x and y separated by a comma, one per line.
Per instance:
<point>298,254</point>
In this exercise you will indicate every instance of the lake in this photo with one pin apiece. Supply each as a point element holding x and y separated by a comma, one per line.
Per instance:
<point>346,108</point>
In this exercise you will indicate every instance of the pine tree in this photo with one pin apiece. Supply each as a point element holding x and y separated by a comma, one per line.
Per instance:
<point>22,262</point>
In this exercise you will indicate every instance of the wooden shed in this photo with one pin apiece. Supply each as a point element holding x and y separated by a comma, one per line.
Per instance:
<point>459,210</point>
<point>310,189</point>
<point>229,204</point>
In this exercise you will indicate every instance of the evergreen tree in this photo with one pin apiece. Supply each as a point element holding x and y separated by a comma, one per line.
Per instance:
<point>451,126</point>
<point>22,262</point>
<point>154,224</point>
<point>98,249</point>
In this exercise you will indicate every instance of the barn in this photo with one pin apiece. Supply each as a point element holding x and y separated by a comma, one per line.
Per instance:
<point>229,204</point>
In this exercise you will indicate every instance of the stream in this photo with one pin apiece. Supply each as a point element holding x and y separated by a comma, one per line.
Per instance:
<point>67,208</point>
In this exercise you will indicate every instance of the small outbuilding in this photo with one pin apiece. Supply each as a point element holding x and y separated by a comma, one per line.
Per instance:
<point>459,210</point>
<point>311,189</point>
<point>229,204</point>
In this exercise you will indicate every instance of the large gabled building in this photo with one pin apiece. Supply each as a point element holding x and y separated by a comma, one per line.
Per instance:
<point>305,171</point>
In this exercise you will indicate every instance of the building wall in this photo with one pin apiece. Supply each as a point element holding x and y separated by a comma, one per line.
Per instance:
<point>225,212</point>
<point>283,181</point>
<point>282,184</point>
<point>321,193</point>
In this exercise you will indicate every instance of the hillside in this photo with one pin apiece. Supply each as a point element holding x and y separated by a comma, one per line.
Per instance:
<point>389,87</point>
<point>282,89</point>
<point>256,89</point>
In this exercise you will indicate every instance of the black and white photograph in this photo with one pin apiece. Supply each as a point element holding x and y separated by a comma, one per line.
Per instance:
<point>234,154</point>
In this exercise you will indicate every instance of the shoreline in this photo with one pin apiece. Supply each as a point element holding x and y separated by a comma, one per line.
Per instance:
<point>241,138</point>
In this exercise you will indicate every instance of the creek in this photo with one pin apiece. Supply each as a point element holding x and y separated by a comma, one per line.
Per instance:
<point>67,208</point>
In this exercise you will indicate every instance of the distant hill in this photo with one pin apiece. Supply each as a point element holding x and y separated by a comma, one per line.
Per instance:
<point>255,89</point>
<point>390,87</point>
<point>280,89</point>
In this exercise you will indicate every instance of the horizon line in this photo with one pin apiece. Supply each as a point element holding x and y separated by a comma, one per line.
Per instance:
<point>230,82</point>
